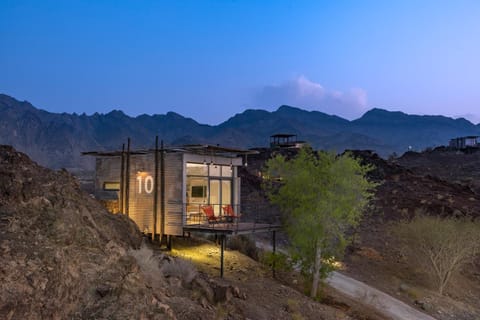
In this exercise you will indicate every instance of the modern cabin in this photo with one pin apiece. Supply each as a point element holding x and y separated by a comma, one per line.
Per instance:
<point>464,142</point>
<point>285,140</point>
<point>165,190</point>
<point>174,191</point>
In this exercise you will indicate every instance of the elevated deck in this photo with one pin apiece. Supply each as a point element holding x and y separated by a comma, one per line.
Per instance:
<point>225,228</point>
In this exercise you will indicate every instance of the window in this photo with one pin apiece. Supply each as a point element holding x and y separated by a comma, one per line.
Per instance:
<point>111,186</point>
<point>196,169</point>
<point>199,191</point>
<point>227,171</point>
<point>208,184</point>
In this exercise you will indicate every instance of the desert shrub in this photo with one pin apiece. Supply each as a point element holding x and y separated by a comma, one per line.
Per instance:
<point>149,264</point>
<point>181,269</point>
<point>440,246</point>
<point>293,308</point>
<point>145,258</point>
<point>282,262</point>
<point>243,244</point>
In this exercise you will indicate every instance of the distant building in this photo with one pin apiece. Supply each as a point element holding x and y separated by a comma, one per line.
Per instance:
<point>465,142</point>
<point>285,140</point>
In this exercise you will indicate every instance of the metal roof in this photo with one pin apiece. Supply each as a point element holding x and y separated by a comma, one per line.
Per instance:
<point>193,148</point>
<point>283,135</point>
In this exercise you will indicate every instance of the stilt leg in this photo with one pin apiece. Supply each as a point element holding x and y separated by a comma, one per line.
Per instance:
<point>274,245</point>
<point>222,248</point>
<point>169,242</point>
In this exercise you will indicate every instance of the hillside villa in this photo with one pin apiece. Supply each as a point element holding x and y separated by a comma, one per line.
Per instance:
<point>173,191</point>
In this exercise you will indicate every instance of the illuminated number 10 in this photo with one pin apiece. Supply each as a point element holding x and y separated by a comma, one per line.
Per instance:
<point>147,184</point>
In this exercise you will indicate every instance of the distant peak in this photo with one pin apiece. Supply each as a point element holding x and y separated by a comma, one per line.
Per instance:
<point>116,112</point>
<point>11,101</point>
<point>173,114</point>
<point>287,108</point>
<point>382,113</point>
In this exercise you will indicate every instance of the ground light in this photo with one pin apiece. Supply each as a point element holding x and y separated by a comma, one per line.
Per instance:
<point>205,255</point>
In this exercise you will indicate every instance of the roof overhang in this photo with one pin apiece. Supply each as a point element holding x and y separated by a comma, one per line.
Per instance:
<point>202,149</point>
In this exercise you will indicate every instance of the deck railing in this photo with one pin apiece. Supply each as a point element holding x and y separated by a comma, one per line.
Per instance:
<point>195,213</point>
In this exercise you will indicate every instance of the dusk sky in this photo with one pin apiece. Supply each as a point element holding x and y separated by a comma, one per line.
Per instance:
<point>209,60</point>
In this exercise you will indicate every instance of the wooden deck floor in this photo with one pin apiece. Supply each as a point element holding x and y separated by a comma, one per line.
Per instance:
<point>231,228</point>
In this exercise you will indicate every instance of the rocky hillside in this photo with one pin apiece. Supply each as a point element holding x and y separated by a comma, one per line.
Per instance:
<point>456,166</point>
<point>442,182</point>
<point>62,255</point>
<point>404,191</point>
<point>56,140</point>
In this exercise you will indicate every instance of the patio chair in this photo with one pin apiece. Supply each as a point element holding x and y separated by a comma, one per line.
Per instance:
<point>208,211</point>
<point>230,214</point>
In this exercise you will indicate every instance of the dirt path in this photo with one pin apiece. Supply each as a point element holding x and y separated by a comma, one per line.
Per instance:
<point>382,302</point>
<point>365,294</point>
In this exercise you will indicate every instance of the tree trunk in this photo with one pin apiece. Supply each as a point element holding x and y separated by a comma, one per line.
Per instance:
<point>316,270</point>
<point>441,287</point>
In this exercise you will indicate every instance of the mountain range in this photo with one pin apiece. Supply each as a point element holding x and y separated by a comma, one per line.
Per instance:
<point>56,140</point>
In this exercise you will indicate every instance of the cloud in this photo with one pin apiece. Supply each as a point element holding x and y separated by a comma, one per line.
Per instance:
<point>303,93</point>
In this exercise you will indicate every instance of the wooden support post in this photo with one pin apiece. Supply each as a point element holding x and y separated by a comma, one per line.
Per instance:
<point>122,181</point>
<point>127,179</point>
<point>162,189</point>
<point>169,242</point>
<point>155,191</point>
<point>274,245</point>
<point>222,248</point>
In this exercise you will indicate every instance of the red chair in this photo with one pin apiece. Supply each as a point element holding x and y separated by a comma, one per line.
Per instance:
<point>208,211</point>
<point>229,213</point>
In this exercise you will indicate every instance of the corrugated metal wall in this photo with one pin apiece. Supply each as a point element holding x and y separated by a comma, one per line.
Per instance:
<point>142,188</point>
<point>174,193</point>
<point>141,193</point>
<point>107,170</point>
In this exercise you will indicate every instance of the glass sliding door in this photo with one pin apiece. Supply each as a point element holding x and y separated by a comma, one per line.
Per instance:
<point>220,194</point>
<point>215,195</point>
<point>226,192</point>
<point>207,184</point>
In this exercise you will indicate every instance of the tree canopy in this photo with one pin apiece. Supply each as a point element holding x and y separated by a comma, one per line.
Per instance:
<point>321,195</point>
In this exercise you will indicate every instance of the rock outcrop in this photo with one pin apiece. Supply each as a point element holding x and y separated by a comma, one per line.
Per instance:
<point>62,256</point>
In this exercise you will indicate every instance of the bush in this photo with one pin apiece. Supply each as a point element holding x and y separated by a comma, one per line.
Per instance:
<point>440,246</point>
<point>244,245</point>
<point>149,264</point>
<point>181,269</point>
<point>282,262</point>
<point>156,267</point>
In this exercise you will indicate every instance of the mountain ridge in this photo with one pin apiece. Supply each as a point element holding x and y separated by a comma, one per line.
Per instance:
<point>57,139</point>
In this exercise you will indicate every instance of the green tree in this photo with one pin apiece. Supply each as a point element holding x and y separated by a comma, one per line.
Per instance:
<point>321,195</point>
<point>440,246</point>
